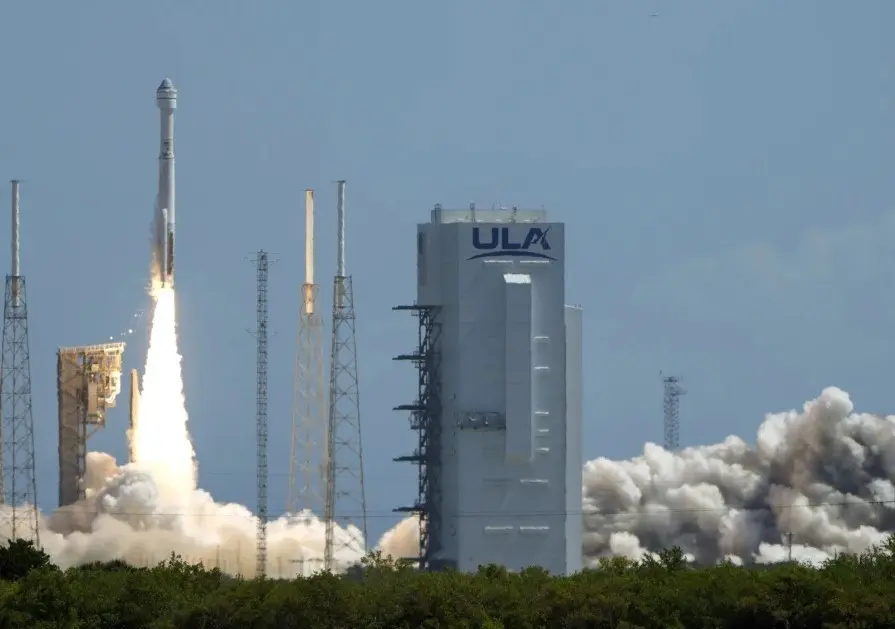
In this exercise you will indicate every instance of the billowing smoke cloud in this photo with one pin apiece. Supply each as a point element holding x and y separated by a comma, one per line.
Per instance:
<point>823,475</point>
<point>125,516</point>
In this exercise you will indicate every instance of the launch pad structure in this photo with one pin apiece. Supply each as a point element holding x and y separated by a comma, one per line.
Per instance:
<point>88,381</point>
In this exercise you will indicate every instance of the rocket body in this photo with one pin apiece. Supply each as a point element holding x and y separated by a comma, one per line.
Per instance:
<point>163,223</point>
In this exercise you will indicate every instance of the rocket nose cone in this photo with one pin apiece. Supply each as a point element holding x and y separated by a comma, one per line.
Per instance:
<point>166,95</point>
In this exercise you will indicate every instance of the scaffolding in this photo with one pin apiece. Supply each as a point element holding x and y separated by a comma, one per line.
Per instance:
<point>425,418</point>
<point>89,381</point>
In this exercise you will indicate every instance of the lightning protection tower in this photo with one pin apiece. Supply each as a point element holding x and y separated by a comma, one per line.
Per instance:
<point>672,406</point>
<point>345,500</point>
<point>18,485</point>
<point>261,415</point>
<point>309,397</point>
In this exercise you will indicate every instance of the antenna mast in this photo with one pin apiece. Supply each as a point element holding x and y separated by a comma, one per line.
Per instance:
<point>18,484</point>
<point>308,407</point>
<point>345,498</point>
<point>672,408</point>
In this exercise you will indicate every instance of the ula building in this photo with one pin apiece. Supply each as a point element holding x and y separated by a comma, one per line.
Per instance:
<point>499,403</point>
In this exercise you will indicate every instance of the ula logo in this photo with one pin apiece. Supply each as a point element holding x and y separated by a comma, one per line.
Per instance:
<point>496,242</point>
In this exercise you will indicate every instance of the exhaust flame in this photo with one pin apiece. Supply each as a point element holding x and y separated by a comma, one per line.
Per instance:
<point>161,442</point>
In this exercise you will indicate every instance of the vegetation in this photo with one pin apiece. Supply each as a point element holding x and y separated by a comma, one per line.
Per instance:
<point>663,593</point>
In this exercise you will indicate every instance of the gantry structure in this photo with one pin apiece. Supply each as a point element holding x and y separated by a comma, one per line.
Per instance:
<point>88,381</point>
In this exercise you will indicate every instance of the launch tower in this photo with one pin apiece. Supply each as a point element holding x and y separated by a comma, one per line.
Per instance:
<point>88,384</point>
<point>498,406</point>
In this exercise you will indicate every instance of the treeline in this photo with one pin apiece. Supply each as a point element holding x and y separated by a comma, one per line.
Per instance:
<point>662,593</point>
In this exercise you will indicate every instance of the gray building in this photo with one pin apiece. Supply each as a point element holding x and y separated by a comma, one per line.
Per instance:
<point>500,407</point>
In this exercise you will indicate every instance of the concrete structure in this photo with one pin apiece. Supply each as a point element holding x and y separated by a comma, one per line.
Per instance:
<point>89,381</point>
<point>499,406</point>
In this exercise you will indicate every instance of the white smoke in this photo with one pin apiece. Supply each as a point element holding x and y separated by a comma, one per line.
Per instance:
<point>127,516</point>
<point>822,476</point>
<point>815,484</point>
<point>142,512</point>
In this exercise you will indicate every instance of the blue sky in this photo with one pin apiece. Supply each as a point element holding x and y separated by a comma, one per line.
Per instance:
<point>725,170</point>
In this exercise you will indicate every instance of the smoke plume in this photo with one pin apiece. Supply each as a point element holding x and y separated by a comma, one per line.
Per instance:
<point>815,484</point>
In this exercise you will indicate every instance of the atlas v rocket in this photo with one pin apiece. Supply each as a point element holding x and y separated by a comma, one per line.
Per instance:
<point>163,223</point>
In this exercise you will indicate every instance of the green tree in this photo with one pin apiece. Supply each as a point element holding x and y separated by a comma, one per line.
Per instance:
<point>20,557</point>
<point>658,592</point>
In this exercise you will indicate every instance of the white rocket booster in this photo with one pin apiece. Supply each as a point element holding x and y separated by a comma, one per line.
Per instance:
<point>163,224</point>
<point>133,414</point>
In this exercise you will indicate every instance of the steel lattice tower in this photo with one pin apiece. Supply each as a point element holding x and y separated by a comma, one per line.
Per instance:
<point>306,480</point>
<point>672,405</point>
<point>345,500</point>
<point>18,484</point>
<point>261,415</point>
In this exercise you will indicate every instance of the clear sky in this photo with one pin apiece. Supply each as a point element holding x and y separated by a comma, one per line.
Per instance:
<point>725,170</point>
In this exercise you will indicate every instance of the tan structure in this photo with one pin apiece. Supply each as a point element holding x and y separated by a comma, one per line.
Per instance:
<point>89,380</point>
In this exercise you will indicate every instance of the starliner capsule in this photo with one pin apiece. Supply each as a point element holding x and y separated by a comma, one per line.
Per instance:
<point>163,223</point>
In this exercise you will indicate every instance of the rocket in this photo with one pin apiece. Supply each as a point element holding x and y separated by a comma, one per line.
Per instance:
<point>163,221</point>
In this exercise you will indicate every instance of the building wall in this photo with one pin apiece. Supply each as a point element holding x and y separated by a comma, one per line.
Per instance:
<point>574,426</point>
<point>506,449</point>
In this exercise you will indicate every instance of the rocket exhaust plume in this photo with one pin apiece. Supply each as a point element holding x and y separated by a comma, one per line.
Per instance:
<point>163,220</point>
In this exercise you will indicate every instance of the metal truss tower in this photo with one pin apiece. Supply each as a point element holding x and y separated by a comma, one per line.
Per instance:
<point>261,263</point>
<point>345,499</point>
<point>18,484</point>
<point>306,479</point>
<point>672,406</point>
<point>88,381</point>
<point>425,418</point>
